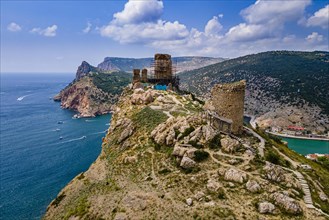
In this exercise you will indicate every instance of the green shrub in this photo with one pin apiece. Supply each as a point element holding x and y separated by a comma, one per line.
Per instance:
<point>200,155</point>
<point>272,157</point>
<point>187,131</point>
<point>195,144</point>
<point>214,143</point>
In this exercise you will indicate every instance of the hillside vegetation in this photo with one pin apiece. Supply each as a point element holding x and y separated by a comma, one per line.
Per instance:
<point>277,79</point>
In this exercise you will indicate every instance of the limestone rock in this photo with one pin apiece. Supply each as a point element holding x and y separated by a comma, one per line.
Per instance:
<point>189,201</point>
<point>190,153</point>
<point>187,163</point>
<point>266,207</point>
<point>179,151</point>
<point>274,173</point>
<point>213,186</point>
<point>196,134</point>
<point>138,85</point>
<point>130,159</point>
<point>126,133</point>
<point>323,197</point>
<point>253,186</point>
<point>235,175</point>
<point>289,204</point>
<point>208,132</point>
<point>229,145</point>
<point>199,196</point>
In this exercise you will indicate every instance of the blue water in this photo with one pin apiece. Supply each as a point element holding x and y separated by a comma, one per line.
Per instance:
<point>35,163</point>
<point>305,147</point>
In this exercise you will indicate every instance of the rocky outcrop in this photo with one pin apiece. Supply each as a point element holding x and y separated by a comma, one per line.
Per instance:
<point>235,175</point>
<point>274,173</point>
<point>187,163</point>
<point>86,99</point>
<point>253,186</point>
<point>287,203</point>
<point>229,145</point>
<point>84,69</point>
<point>266,208</point>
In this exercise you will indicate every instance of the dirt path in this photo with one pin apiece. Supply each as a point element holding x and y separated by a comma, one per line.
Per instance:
<point>261,145</point>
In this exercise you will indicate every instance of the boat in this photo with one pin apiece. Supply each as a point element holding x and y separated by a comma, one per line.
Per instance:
<point>84,137</point>
<point>57,129</point>
<point>60,138</point>
<point>60,122</point>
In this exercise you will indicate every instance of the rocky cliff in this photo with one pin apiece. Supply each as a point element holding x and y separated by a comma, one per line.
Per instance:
<point>162,159</point>
<point>92,92</point>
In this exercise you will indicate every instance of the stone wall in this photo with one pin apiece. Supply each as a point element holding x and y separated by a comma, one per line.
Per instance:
<point>228,100</point>
<point>162,66</point>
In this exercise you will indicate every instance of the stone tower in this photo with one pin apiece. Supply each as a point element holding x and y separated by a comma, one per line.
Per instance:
<point>136,76</point>
<point>228,100</point>
<point>162,66</point>
<point>144,75</point>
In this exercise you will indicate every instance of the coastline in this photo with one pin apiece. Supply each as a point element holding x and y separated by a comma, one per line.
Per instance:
<point>297,137</point>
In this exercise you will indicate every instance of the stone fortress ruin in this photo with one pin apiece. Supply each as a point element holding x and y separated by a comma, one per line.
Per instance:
<point>228,105</point>
<point>161,73</point>
<point>227,100</point>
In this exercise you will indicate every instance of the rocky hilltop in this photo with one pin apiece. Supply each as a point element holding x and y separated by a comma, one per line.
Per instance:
<point>93,92</point>
<point>162,159</point>
<point>181,63</point>
<point>281,86</point>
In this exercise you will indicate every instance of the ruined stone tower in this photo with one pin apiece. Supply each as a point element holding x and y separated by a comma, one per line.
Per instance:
<point>136,76</point>
<point>144,75</point>
<point>162,66</point>
<point>228,100</point>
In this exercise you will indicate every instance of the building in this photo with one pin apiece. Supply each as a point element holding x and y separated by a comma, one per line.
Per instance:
<point>228,102</point>
<point>161,74</point>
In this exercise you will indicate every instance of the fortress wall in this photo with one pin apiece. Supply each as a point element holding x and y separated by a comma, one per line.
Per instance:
<point>228,100</point>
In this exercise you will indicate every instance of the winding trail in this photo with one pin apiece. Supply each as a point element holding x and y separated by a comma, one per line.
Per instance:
<point>261,146</point>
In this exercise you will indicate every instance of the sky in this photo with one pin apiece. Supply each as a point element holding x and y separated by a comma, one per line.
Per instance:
<point>56,36</point>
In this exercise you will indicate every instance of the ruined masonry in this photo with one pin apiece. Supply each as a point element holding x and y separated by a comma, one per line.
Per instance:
<point>228,100</point>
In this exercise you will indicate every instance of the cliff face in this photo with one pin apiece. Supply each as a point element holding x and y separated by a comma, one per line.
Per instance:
<point>84,69</point>
<point>161,159</point>
<point>92,92</point>
<point>84,97</point>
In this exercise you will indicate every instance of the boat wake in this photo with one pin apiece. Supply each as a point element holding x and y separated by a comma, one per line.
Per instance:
<point>88,120</point>
<point>22,97</point>
<point>75,139</point>
<point>101,132</point>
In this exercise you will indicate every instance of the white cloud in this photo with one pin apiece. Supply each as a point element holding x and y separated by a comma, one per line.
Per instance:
<point>136,11</point>
<point>247,32</point>
<point>264,11</point>
<point>87,29</point>
<point>320,18</point>
<point>213,27</point>
<point>314,38</point>
<point>140,22</point>
<point>13,27</point>
<point>47,32</point>
<point>262,30</point>
<point>145,32</point>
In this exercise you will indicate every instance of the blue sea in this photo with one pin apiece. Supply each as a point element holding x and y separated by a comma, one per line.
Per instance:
<point>35,162</point>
